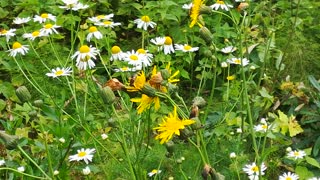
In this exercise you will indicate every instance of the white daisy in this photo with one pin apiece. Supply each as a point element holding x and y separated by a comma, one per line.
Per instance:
<point>104,136</point>
<point>49,29</point>
<point>168,46</point>
<point>98,18</point>
<point>59,72</point>
<point>85,56</point>
<point>238,61</point>
<point>154,172</point>
<point>314,178</point>
<point>44,17</point>
<point>158,41</point>
<point>19,20</point>
<point>93,32</point>
<point>186,48</point>
<point>8,33</point>
<point>232,155</point>
<point>228,49</point>
<point>107,23</point>
<point>86,171</point>
<point>83,154</point>
<point>133,58</point>
<point>263,126</point>
<point>289,176</point>
<point>222,5</point>
<point>254,170</point>
<point>32,36</point>
<point>187,6</point>
<point>17,48</point>
<point>74,5</point>
<point>117,54</point>
<point>146,56</point>
<point>224,64</point>
<point>296,154</point>
<point>128,69</point>
<point>144,22</point>
<point>21,169</point>
<point>2,162</point>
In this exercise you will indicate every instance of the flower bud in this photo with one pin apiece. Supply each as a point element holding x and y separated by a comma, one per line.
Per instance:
<point>205,9</point>
<point>198,101</point>
<point>156,80</point>
<point>114,84</point>
<point>107,95</point>
<point>148,90</point>
<point>38,103</point>
<point>194,111</point>
<point>170,147</point>
<point>207,53</point>
<point>165,74</point>
<point>23,94</point>
<point>224,64</point>
<point>206,34</point>
<point>33,114</point>
<point>10,141</point>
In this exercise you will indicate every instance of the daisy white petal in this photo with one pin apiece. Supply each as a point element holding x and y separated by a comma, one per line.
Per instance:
<point>296,154</point>
<point>238,61</point>
<point>59,72</point>
<point>8,33</point>
<point>289,175</point>
<point>228,49</point>
<point>83,154</point>
<point>185,48</point>
<point>18,48</point>
<point>93,32</point>
<point>19,20</point>
<point>44,17</point>
<point>144,22</point>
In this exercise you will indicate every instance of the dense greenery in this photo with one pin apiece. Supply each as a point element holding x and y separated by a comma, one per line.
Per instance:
<point>191,112</point>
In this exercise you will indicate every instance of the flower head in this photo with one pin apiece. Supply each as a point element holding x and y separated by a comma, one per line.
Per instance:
<point>49,29</point>
<point>144,22</point>
<point>98,18</point>
<point>93,32</point>
<point>296,154</point>
<point>74,5</point>
<point>133,58</point>
<point>19,20</point>
<point>18,48</point>
<point>238,61</point>
<point>107,23</point>
<point>83,154</point>
<point>117,54</point>
<point>289,176</point>
<point>187,6</point>
<point>254,170</point>
<point>146,102</point>
<point>228,49</point>
<point>21,169</point>
<point>59,72</point>
<point>233,155</point>
<point>221,4</point>
<point>195,12</point>
<point>154,172</point>
<point>44,17</point>
<point>138,83</point>
<point>86,171</point>
<point>8,33</point>
<point>186,48</point>
<point>146,57</point>
<point>168,45</point>
<point>104,136</point>
<point>262,126</point>
<point>85,56</point>
<point>32,36</point>
<point>171,125</point>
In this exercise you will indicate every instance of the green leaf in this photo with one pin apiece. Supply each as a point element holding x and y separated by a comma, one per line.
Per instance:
<point>184,73</point>
<point>312,162</point>
<point>314,82</point>
<point>316,147</point>
<point>7,89</point>
<point>303,172</point>
<point>2,104</point>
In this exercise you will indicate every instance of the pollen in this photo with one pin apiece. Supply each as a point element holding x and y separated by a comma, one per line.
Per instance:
<point>187,47</point>
<point>255,169</point>
<point>84,49</point>
<point>145,18</point>
<point>35,33</point>
<point>134,57</point>
<point>107,22</point>
<point>59,73</point>
<point>44,15</point>
<point>141,51</point>
<point>237,61</point>
<point>48,26</point>
<point>82,154</point>
<point>168,41</point>
<point>220,2</point>
<point>115,49</point>
<point>93,29</point>
<point>16,45</point>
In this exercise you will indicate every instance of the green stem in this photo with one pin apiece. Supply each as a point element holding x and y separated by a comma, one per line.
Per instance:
<point>29,175</point>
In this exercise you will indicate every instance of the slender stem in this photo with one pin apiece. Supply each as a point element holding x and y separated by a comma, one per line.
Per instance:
<point>25,174</point>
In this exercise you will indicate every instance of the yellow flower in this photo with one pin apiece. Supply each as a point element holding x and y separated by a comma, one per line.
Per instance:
<point>195,11</point>
<point>138,83</point>
<point>145,102</point>
<point>171,78</point>
<point>171,125</point>
<point>230,78</point>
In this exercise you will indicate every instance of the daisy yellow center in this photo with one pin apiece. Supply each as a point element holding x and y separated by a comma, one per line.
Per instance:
<point>154,171</point>
<point>264,126</point>
<point>82,154</point>
<point>93,29</point>
<point>84,49</point>
<point>255,169</point>
<point>44,15</point>
<point>100,17</point>
<point>296,153</point>
<point>220,2</point>
<point>288,178</point>
<point>168,41</point>
<point>4,31</point>
<point>35,33</point>
<point>16,45</point>
<point>48,26</point>
<point>141,51</point>
<point>59,73</point>
<point>107,22</point>
<point>115,49</point>
<point>187,47</point>
<point>124,69</point>
<point>134,57</point>
<point>237,61</point>
<point>145,19</point>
